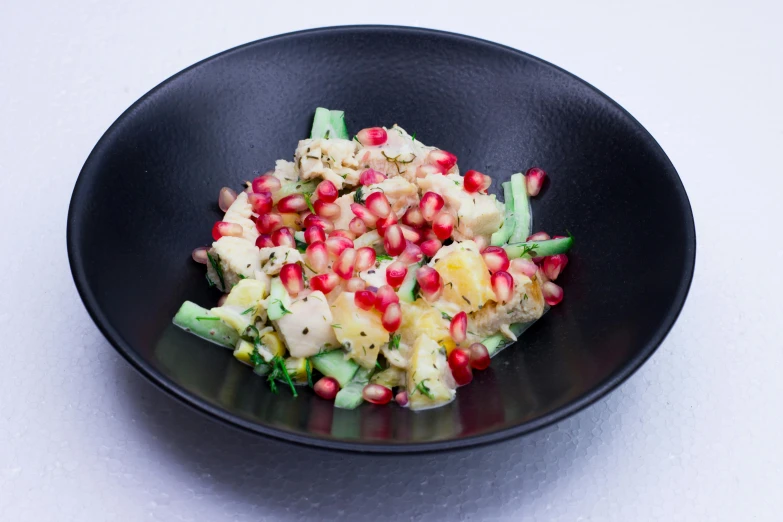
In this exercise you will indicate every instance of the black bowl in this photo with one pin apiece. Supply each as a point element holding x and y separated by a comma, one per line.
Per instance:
<point>147,196</point>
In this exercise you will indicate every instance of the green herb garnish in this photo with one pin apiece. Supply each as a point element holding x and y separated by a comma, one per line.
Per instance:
<point>413,138</point>
<point>378,365</point>
<point>309,372</point>
<point>217,268</point>
<point>282,306</point>
<point>202,318</point>
<point>255,357</point>
<point>445,315</point>
<point>383,257</point>
<point>424,390</point>
<point>251,309</point>
<point>335,325</point>
<point>211,282</point>
<point>308,199</point>
<point>358,196</point>
<point>529,250</point>
<point>279,371</point>
<point>302,247</point>
<point>394,342</point>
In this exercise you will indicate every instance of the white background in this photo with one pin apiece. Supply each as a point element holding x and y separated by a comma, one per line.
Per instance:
<point>696,434</point>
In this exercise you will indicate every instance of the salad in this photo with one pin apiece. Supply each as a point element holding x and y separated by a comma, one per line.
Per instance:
<point>371,270</point>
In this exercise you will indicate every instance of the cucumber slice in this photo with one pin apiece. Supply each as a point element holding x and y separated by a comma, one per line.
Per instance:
<point>334,364</point>
<point>329,124</point>
<point>350,396</point>
<point>203,323</point>
<point>279,300</point>
<point>502,236</point>
<point>293,187</point>
<point>337,119</point>
<point>522,218</point>
<point>548,247</point>
<point>410,286</point>
<point>496,343</point>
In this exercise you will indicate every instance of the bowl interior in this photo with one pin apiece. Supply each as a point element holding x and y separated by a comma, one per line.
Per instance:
<point>147,196</point>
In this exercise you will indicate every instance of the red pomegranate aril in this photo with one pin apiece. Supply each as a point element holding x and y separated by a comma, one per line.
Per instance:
<point>503,285</point>
<point>463,375</point>
<point>264,241</point>
<point>327,210</point>
<point>430,282</point>
<point>313,220</point>
<point>364,299</point>
<point>473,181</point>
<point>384,297</point>
<point>283,237</point>
<point>383,223</point>
<point>317,256</point>
<point>365,258</point>
<point>479,356</point>
<point>394,240</point>
<point>292,278</point>
<point>372,136</point>
<point>444,161</point>
<point>523,266</point>
<point>443,225</point>
<point>378,204</point>
<point>426,170</point>
<point>395,274</point>
<point>401,398</point>
<point>410,234</point>
<point>495,258</point>
<point>326,191</point>
<point>199,255</point>
<point>364,214</point>
<point>458,328</point>
<point>347,234</point>
<point>481,242</point>
<point>553,294</point>
<point>224,228</point>
<point>411,254</point>
<point>430,205</point>
<point>486,184</point>
<point>430,247</point>
<point>413,218</point>
<point>534,180</point>
<point>260,202</point>
<point>357,226</point>
<point>553,265</point>
<point>427,234</point>
<point>268,223</point>
<point>324,282</point>
<point>377,394</point>
<point>337,244</point>
<point>355,284</point>
<point>458,358</point>
<point>345,263</point>
<point>392,317</point>
<point>371,177</point>
<point>314,233</point>
<point>226,198</point>
<point>326,388</point>
<point>538,236</point>
<point>266,183</point>
<point>292,203</point>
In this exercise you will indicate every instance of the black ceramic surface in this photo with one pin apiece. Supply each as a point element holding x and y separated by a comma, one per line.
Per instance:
<point>147,196</point>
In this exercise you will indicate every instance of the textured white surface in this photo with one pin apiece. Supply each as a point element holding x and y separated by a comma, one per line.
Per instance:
<point>694,435</point>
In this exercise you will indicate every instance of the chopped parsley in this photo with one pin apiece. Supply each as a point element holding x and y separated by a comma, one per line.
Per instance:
<point>529,250</point>
<point>445,315</point>
<point>394,342</point>
<point>383,257</point>
<point>255,357</point>
<point>302,247</point>
<point>358,196</point>
<point>240,276</point>
<point>378,365</point>
<point>424,390</point>
<point>308,199</point>
<point>413,138</point>
<point>524,298</point>
<point>217,268</point>
<point>335,325</point>
<point>209,281</point>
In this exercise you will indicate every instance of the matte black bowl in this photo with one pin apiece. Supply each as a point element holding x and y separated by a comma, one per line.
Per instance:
<point>147,196</point>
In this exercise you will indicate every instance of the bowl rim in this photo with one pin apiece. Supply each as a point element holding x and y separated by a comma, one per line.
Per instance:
<point>90,301</point>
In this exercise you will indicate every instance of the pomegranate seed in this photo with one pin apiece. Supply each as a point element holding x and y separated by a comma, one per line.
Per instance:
<point>401,398</point>
<point>261,202</point>
<point>292,203</point>
<point>481,242</point>
<point>410,234</point>
<point>266,183</point>
<point>430,247</point>
<point>317,256</point>
<point>426,170</point>
<point>427,234</point>
<point>313,220</point>
<point>226,198</point>
<point>534,180</point>
<point>473,181</point>
<point>326,191</point>
<point>503,285</point>
<point>372,137</point>
<point>411,254</point>
<point>395,274</point>
<point>459,327</point>
<point>371,177</point>
<point>383,223</point>
<point>495,258</point>
<point>524,266</point>
<point>365,258</point>
<point>394,240</point>
<point>559,237</point>
<point>357,226</point>
<point>442,160</point>
<point>384,297</point>
<point>224,228</point>
<point>336,245</point>
<point>324,282</point>
<point>458,359</point>
<point>347,234</point>
<point>538,236</point>
<point>486,184</point>
<point>377,394</point>
<point>430,205</point>
<point>392,317</point>
<point>344,265</point>
<point>264,241</point>
<point>268,223</point>
<point>314,233</point>
<point>365,215</point>
<point>355,284</point>
<point>199,255</point>
<point>430,282</point>
<point>378,204</point>
<point>413,218</point>
<point>326,388</point>
<point>462,376</point>
<point>553,294</point>
<point>283,237</point>
<point>553,265</point>
<point>327,210</point>
<point>479,356</point>
<point>443,225</point>
<point>364,299</point>
<point>292,278</point>
<point>222,300</point>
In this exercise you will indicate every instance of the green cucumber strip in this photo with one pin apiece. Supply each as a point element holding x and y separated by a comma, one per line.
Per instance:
<point>334,364</point>
<point>548,247</point>
<point>496,343</point>
<point>523,223</point>
<point>329,125</point>
<point>337,119</point>
<point>502,236</point>
<point>294,187</point>
<point>350,396</point>
<point>201,322</point>
<point>408,288</point>
<point>278,300</point>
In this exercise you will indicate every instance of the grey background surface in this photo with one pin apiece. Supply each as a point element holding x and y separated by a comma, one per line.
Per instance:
<point>694,435</point>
